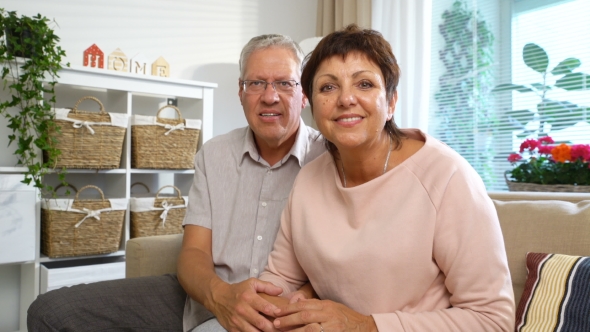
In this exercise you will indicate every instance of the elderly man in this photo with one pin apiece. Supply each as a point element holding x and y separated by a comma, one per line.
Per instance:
<point>242,180</point>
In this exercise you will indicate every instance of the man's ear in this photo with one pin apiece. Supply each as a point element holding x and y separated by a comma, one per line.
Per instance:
<point>240,90</point>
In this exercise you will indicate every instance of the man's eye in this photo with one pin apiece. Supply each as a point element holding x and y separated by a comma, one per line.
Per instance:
<point>255,83</point>
<point>285,84</point>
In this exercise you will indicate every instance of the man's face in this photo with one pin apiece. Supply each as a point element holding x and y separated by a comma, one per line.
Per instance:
<point>273,117</point>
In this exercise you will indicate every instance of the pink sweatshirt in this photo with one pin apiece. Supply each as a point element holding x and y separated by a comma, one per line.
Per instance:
<point>418,248</point>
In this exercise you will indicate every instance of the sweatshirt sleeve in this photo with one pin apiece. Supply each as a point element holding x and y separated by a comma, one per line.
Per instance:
<point>283,269</point>
<point>469,250</point>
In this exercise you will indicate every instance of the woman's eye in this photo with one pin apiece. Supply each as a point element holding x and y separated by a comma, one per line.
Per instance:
<point>326,88</point>
<point>365,85</point>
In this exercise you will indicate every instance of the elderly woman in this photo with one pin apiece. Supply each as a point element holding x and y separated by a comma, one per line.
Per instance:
<point>393,229</point>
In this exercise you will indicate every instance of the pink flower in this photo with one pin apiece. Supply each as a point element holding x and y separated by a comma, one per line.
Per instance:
<point>545,149</point>
<point>546,140</point>
<point>581,151</point>
<point>514,157</point>
<point>530,144</point>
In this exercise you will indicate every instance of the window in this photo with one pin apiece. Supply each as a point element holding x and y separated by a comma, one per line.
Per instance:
<point>487,99</point>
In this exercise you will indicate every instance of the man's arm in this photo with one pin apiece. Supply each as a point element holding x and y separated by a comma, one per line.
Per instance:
<point>236,306</point>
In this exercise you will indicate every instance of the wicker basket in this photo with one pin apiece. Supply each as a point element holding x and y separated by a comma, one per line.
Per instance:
<point>89,139</point>
<point>157,215</point>
<point>81,227</point>
<point>523,186</point>
<point>163,143</point>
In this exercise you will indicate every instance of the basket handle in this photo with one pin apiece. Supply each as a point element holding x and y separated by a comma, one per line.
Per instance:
<point>170,106</point>
<point>141,184</point>
<point>175,188</point>
<point>75,109</point>
<point>65,185</point>
<point>90,186</point>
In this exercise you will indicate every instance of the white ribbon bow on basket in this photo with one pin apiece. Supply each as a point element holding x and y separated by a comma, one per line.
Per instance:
<point>80,124</point>
<point>166,207</point>
<point>89,214</point>
<point>172,128</point>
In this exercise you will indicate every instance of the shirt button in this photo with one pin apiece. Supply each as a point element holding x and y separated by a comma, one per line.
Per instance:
<point>255,271</point>
<point>264,204</point>
<point>259,237</point>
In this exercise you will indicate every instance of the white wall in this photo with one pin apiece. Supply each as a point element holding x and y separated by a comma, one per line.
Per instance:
<point>201,39</point>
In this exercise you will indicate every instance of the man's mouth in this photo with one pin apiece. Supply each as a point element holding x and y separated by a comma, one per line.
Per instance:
<point>269,114</point>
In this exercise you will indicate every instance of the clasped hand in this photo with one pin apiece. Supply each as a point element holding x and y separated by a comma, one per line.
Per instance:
<point>238,307</point>
<point>321,315</point>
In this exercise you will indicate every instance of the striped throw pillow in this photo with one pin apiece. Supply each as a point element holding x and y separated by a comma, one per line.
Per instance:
<point>556,294</point>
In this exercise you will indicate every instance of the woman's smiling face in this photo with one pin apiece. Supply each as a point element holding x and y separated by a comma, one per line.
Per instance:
<point>349,100</point>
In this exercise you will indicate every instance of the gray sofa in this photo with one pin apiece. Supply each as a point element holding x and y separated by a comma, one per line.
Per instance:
<point>531,222</point>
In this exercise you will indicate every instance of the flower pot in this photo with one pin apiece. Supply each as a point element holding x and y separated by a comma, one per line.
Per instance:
<point>24,33</point>
<point>523,186</point>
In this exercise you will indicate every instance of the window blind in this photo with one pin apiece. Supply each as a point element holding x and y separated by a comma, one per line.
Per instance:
<point>507,70</point>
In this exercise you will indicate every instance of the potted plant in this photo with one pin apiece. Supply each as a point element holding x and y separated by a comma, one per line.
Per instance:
<point>30,59</point>
<point>543,165</point>
<point>560,114</point>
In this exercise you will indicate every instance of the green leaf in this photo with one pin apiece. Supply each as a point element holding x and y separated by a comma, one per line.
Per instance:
<point>535,57</point>
<point>560,114</point>
<point>541,87</point>
<point>574,82</point>
<point>520,118</point>
<point>566,66</point>
<point>510,87</point>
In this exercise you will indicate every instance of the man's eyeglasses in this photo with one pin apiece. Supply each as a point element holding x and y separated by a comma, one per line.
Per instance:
<point>257,87</point>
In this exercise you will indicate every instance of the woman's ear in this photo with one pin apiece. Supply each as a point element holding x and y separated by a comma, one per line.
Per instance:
<point>391,107</point>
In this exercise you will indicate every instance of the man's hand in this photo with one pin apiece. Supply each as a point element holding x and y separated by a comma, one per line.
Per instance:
<point>238,307</point>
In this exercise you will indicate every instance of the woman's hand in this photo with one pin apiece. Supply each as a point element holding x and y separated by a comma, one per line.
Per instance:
<point>322,316</point>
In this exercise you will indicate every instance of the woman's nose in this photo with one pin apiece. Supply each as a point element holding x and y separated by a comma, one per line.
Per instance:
<point>347,97</point>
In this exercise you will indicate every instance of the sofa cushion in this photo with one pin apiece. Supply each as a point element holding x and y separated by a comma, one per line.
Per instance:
<point>542,226</point>
<point>556,295</point>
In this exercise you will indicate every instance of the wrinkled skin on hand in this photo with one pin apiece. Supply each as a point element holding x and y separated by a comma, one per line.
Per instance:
<point>238,307</point>
<point>306,315</point>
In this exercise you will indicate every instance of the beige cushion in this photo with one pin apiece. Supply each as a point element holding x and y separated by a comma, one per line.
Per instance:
<point>542,226</point>
<point>152,255</point>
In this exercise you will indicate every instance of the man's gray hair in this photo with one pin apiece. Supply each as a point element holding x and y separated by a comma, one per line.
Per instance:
<point>266,41</point>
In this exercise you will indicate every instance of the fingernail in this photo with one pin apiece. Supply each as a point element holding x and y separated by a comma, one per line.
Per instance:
<point>277,311</point>
<point>277,323</point>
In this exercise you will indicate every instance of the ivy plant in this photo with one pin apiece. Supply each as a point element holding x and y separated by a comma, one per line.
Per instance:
<point>30,58</point>
<point>465,116</point>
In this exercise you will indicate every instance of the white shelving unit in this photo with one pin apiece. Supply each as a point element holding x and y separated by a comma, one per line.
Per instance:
<point>120,93</point>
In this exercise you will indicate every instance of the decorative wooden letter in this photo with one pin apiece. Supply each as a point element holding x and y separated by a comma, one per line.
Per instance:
<point>94,57</point>
<point>138,65</point>
<point>118,61</point>
<point>160,67</point>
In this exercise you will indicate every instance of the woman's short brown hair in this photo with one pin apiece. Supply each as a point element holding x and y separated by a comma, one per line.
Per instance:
<point>367,42</point>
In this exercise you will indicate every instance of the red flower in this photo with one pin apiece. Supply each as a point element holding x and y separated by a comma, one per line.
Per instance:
<point>530,144</point>
<point>514,157</point>
<point>546,140</point>
<point>581,151</point>
<point>546,149</point>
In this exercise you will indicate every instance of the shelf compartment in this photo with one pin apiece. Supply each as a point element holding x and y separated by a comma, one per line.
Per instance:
<point>55,275</point>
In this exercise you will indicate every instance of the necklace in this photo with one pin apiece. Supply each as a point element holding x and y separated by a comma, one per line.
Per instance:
<point>384,166</point>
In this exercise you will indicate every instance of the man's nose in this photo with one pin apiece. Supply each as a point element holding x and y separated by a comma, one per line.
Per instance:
<point>270,94</point>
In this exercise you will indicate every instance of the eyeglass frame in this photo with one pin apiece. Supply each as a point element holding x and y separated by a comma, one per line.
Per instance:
<point>243,83</point>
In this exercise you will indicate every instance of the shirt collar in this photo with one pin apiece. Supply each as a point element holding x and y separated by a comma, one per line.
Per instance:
<point>298,150</point>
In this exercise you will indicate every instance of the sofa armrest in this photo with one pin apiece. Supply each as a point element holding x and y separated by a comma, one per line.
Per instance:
<point>152,255</point>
